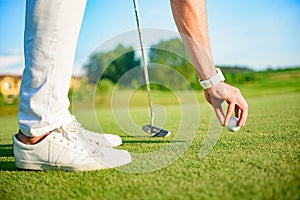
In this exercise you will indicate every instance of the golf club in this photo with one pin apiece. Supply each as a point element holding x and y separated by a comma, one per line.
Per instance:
<point>150,128</point>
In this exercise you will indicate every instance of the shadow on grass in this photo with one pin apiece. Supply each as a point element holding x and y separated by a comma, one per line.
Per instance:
<point>8,166</point>
<point>150,140</point>
<point>6,150</point>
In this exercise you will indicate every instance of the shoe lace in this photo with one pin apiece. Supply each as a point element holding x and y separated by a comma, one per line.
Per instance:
<point>70,133</point>
<point>76,128</point>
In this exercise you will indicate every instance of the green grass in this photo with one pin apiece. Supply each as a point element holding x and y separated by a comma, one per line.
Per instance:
<point>261,161</point>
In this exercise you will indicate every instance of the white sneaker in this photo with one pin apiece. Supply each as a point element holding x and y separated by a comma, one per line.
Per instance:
<point>95,139</point>
<point>62,150</point>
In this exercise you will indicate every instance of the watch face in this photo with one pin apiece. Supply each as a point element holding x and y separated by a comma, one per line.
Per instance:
<point>205,84</point>
<point>217,78</point>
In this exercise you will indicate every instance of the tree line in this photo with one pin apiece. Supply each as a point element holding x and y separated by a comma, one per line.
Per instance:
<point>168,64</point>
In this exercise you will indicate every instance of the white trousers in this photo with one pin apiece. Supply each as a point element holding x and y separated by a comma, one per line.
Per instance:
<point>51,33</point>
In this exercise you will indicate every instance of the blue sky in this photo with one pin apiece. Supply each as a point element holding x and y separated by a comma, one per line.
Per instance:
<point>255,33</point>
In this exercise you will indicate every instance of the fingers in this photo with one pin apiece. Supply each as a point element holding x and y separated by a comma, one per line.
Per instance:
<point>220,114</point>
<point>217,105</point>
<point>243,113</point>
<point>237,105</point>
<point>230,109</point>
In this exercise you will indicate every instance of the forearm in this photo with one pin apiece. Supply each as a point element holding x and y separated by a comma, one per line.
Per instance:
<point>190,18</point>
<point>191,21</point>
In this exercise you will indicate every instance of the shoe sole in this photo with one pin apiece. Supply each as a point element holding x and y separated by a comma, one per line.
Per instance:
<point>37,166</point>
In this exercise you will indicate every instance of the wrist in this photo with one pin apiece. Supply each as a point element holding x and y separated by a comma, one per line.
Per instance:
<point>212,81</point>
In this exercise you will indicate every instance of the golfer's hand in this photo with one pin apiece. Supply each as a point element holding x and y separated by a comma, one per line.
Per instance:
<point>236,102</point>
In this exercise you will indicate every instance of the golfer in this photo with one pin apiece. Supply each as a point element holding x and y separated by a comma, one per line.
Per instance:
<point>49,136</point>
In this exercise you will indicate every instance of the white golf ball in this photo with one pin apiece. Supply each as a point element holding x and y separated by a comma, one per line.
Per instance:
<point>232,124</point>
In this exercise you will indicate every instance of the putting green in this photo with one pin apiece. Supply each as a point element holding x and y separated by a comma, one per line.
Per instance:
<point>261,161</point>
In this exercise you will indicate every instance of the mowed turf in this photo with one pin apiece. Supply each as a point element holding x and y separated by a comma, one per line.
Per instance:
<point>261,161</point>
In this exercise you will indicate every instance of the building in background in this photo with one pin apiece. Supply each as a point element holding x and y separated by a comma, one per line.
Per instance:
<point>10,86</point>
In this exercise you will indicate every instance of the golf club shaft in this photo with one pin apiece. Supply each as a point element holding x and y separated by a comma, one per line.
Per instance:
<point>144,61</point>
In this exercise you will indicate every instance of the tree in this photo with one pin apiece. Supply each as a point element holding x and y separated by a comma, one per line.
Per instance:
<point>172,53</point>
<point>111,65</point>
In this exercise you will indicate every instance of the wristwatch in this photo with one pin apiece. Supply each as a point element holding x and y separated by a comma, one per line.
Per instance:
<point>213,81</point>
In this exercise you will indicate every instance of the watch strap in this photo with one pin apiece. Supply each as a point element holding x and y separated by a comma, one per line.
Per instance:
<point>213,81</point>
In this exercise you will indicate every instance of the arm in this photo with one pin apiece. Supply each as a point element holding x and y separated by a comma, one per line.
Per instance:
<point>191,21</point>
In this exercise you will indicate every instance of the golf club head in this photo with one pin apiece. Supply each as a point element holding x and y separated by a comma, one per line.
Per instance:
<point>156,131</point>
